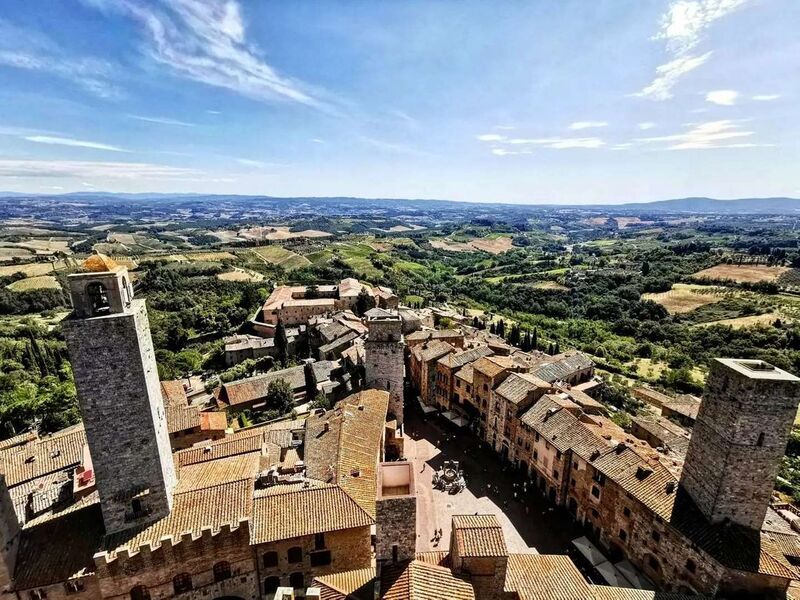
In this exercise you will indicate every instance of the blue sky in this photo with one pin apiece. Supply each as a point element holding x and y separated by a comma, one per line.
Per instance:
<point>573,101</point>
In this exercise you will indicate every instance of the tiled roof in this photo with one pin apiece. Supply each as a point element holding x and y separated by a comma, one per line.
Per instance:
<point>545,577</point>
<point>431,350</point>
<point>213,421</point>
<point>603,592</point>
<point>253,389</point>
<point>492,366</point>
<point>217,472</point>
<point>358,583</point>
<point>432,334</point>
<point>517,386</point>
<point>59,549</point>
<point>466,374</point>
<point>182,418</point>
<point>296,513</point>
<point>459,359</point>
<point>43,455</point>
<point>563,366</point>
<point>478,535</point>
<point>173,393</point>
<point>417,580</point>
<point>249,440</point>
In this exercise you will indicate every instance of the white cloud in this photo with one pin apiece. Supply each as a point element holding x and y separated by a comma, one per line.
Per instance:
<point>646,125</point>
<point>318,140</point>
<point>505,127</point>
<point>722,97</point>
<point>205,40</point>
<point>766,97</point>
<point>505,152</point>
<point>162,120</point>
<point>491,137</point>
<point>559,143</point>
<point>668,74</point>
<point>214,112</point>
<point>685,21</point>
<point>702,136</point>
<point>92,170</point>
<point>249,162</point>
<point>578,125</point>
<point>61,141</point>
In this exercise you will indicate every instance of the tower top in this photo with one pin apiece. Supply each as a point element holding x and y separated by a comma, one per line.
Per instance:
<point>756,369</point>
<point>100,288</point>
<point>99,263</point>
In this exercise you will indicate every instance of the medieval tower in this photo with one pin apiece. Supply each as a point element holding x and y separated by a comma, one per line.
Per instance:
<point>738,440</point>
<point>108,336</point>
<point>383,359</point>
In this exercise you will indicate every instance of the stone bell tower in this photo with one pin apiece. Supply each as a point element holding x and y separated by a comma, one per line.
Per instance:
<point>383,359</point>
<point>108,337</point>
<point>738,440</point>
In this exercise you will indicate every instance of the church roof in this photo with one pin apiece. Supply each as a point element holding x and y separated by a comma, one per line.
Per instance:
<point>99,263</point>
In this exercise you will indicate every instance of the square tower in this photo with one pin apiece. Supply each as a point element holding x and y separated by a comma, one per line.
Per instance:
<point>738,440</point>
<point>384,366</point>
<point>396,513</point>
<point>108,337</point>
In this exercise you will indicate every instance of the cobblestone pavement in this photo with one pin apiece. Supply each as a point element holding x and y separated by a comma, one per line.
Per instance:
<point>528,522</point>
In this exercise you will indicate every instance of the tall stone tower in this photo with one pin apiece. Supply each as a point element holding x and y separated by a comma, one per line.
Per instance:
<point>738,440</point>
<point>395,513</point>
<point>383,358</point>
<point>108,337</point>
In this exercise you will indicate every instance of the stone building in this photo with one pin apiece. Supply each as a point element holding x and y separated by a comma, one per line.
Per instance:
<point>384,366</point>
<point>422,360</point>
<point>447,368</point>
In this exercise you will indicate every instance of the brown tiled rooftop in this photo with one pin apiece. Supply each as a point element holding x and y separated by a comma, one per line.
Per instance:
<point>478,535</point>
<point>416,580</point>
<point>545,577</point>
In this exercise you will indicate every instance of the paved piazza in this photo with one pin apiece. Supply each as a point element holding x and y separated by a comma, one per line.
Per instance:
<point>529,526</point>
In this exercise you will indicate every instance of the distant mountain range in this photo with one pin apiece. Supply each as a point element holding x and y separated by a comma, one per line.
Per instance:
<point>678,205</point>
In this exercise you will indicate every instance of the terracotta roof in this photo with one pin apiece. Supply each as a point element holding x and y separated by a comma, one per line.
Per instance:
<point>545,577</point>
<point>217,472</point>
<point>562,366</point>
<point>459,359</point>
<point>182,418</point>
<point>517,386</point>
<point>213,421</point>
<point>466,373</point>
<point>173,393</point>
<point>478,535</point>
<point>417,580</point>
<point>249,440</point>
<point>602,592</point>
<point>43,455</point>
<point>253,389</point>
<point>98,263</point>
<point>296,513</point>
<point>431,350</point>
<point>59,549</point>
<point>358,583</point>
<point>491,366</point>
<point>432,334</point>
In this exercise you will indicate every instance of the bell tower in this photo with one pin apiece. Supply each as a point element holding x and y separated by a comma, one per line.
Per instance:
<point>384,367</point>
<point>108,337</point>
<point>738,440</point>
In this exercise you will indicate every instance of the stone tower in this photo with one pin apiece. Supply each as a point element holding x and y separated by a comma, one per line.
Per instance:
<point>738,440</point>
<point>396,513</point>
<point>108,337</point>
<point>383,358</point>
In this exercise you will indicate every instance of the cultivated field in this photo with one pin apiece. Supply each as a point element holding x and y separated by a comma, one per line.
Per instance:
<point>742,273</point>
<point>492,245</point>
<point>282,257</point>
<point>280,233</point>
<point>550,285</point>
<point>209,256</point>
<point>683,298</point>
<point>240,275</point>
<point>740,322</point>
<point>35,283</point>
<point>33,269</point>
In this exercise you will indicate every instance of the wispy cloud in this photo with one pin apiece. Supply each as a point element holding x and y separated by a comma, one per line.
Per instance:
<point>214,112</point>
<point>62,141</point>
<point>32,51</point>
<point>578,125</point>
<point>162,121</point>
<point>682,28</point>
<point>205,40</point>
<point>722,97</point>
<point>703,136</point>
<point>504,146</point>
<point>491,137</point>
<point>668,74</point>
<point>644,126</point>
<point>91,170</point>
<point>318,140</point>
<point>766,97</point>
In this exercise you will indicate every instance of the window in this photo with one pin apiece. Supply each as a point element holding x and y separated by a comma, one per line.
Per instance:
<point>575,465</point>
<point>626,511</point>
<point>485,387</point>
<point>595,491</point>
<point>320,558</point>
<point>572,482</point>
<point>690,566</point>
<point>555,474</point>
<point>73,586</point>
<point>656,536</point>
<point>270,559</point>
<point>558,454</point>
<point>595,514</point>
<point>271,584</point>
<point>297,581</point>
<point>598,477</point>
<point>136,507</point>
<point>98,299</point>
<point>222,570</point>
<point>535,455</point>
<point>295,555</point>
<point>623,535</point>
<point>140,593</point>
<point>652,561</point>
<point>319,541</point>
<point>182,583</point>
<point>760,441</point>
<point>537,436</point>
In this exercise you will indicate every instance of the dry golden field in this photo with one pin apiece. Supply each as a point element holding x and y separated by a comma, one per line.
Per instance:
<point>742,273</point>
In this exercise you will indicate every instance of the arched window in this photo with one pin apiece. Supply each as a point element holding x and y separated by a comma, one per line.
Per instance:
<point>182,583</point>
<point>270,559</point>
<point>126,291</point>
<point>297,581</point>
<point>760,441</point>
<point>140,593</point>
<point>295,555</point>
<point>222,570</point>
<point>271,584</point>
<point>98,299</point>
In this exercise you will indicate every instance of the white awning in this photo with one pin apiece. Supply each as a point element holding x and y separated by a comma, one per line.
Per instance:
<point>460,421</point>
<point>612,575</point>
<point>589,551</point>
<point>425,408</point>
<point>636,578</point>
<point>449,415</point>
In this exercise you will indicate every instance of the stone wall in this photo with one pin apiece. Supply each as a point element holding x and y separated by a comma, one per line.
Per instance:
<point>396,525</point>
<point>120,398</point>
<point>9,535</point>
<point>383,362</point>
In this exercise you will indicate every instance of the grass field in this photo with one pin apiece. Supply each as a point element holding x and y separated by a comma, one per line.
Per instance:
<point>683,298</point>
<point>651,370</point>
<point>358,257</point>
<point>33,269</point>
<point>550,285</point>
<point>280,233</point>
<point>35,283</point>
<point>210,256</point>
<point>240,275</point>
<point>738,323</point>
<point>742,273</point>
<point>493,244</point>
<point>280,256</point>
